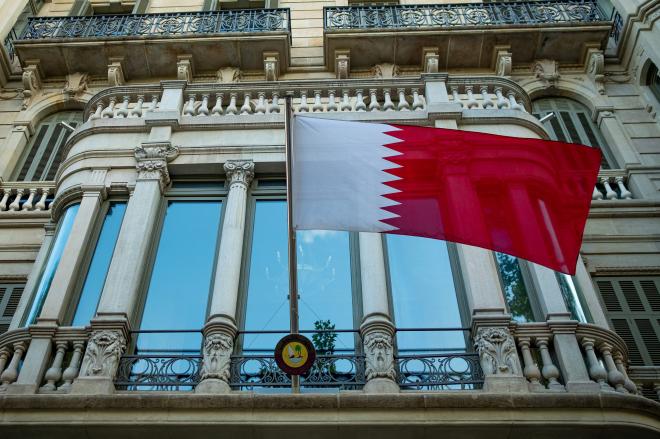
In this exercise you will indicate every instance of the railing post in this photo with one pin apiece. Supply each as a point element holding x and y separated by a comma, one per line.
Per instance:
<point>37,359</point>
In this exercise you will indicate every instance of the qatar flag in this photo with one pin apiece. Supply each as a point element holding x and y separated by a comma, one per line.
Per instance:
<point>525,197</point>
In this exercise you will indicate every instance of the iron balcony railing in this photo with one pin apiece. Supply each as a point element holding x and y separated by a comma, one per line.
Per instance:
<point>157,25</point>
<point>464,15</point>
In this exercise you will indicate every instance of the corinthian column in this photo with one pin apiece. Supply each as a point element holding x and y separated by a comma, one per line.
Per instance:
<point>220,330</point>
<point>120,294</point>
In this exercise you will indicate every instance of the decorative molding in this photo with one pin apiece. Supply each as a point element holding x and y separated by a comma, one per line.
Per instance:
<point>102,355</point>
<point>430,59</point>
<point>228,75</point>
<point>239,172</point>
<point>32,81</point>
<point>271,65</point>
<point>379,352</point>
<point>116,76</point>
<point>152,161</point>
<point>217,356</point>
<point>547,71</point>
<point>76,84</point>
<point>503,62</point>
<point>184,68</point>
<point>385,71</point>
<point>596,68</point>
<point>342,64</point>
<point>497,351</point>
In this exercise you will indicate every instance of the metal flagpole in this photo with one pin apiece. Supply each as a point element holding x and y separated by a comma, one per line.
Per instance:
<point>293,265</point>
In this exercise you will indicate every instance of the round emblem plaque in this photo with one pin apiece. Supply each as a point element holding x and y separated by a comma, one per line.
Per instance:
<point>295,354</point>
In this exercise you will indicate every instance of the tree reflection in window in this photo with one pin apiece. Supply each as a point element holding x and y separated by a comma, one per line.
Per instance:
<point>514,287</point>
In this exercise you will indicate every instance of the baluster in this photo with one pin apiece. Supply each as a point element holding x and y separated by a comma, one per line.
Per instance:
<point>359,100</point>
<point>345,102</point>
<point>260,107</point>
<point>303,107</point>
<point>71,372</point>
<point>41,204</point>
<point>16,204</point>
<point>98,112</point>
<point>54,373</point>
<point>204,108</point>
<point>417,104</point>
<point>549,370</point>
<point>625,193</point>
<point>217,108</point>
<point>122,112</point>
<point>246,108</point>
<point>610,194</point>
<point>403,103</point>
<point>4,356</point>
<point>457,98</point>
<point>28,205</point>
<point>627,382</point>
<point>154,105</point>
<point>596,370</point>
<point>332,102</point>
<point>501,102</point>
<point>513,104</point>
<point>531,369</point>
<point>109,111</point>
<point>11,373</point>
<point>275,104</point>
<point>597,195</point>
<point>373,100</point>
<point>614,377</point>
<point>5,198</point>
<point>472,101</point>
<point>231,108</point>
<point>189,110</point>
<point>318,106</point>
<point>137,110</point>
<point>487,101</point>
<point>388,105</point>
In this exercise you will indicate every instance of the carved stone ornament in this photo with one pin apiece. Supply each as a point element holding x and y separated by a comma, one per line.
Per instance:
<point>385,71</point>
<point>228,75</point>
<point>116,72</point>
<point>31,82</point>
<point>596,69</point>
<point>504,63</point>
<point>379,356</point>
<point>102,355</point>
<point>184,68</point>
<point>239,171</point>
<point>430,60</point>
<point>152,160</point>
<point>76,84</point>
<point>547,71</point>
<point>271,66</point>
<point>497,352</point>
<point>217,354</point>
<point>342,63</point>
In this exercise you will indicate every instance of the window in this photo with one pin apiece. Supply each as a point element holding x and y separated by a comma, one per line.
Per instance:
<point>216,5</point>
<point>99,265</point>
<point>102,7</point>
<point>653,80</point>
<point>44,152</point>
<point>61,237</point>
<point>10,295</point>
<point>572,123</point>
<point>573,298</point>
<point>515,289</point>
<point>632,305</point>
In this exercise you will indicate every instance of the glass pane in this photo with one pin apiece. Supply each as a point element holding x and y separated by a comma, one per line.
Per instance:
<point>66,223</point>
<point>181,278</point>
<point>98,268</point>
<point>423,294</point>
<point>515,291</point>
<point>571,297</point>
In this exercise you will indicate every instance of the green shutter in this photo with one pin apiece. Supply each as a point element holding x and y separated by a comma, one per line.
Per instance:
<point>10,295</point>
<point>631,305</point>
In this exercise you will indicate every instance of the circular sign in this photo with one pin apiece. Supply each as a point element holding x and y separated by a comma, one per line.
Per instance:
<point>295,354</point>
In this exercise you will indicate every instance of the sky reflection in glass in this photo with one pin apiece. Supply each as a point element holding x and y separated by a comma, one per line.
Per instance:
<point>423,294</point>
<point>515,290</point>
<point>98,267</point>
<point>181,278</point>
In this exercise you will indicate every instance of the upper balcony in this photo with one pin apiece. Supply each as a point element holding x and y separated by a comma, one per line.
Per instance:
<point>151,45</point>
<point>466,35</point>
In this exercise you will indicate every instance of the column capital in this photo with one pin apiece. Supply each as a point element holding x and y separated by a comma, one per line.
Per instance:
<point>152,159</point>
<point>239,172</point>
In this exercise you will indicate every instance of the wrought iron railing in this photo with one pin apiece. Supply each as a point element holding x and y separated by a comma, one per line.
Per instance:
<point>9,44</point>
<point>466,14</point>
<point>617,27</point>
<point>156,25</point>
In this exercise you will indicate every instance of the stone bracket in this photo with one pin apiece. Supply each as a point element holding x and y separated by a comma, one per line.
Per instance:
<point>185,68</point>
<point>342,64</point>
<point>32,80</point>
<point>595,68</point>
<point>503,61</point>
<point>271,65</point>
<point>430,59</point>
<point>229,75</point>
<point>116,76</point>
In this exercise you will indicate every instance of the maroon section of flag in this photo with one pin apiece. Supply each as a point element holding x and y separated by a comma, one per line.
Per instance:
<point>525,197</point>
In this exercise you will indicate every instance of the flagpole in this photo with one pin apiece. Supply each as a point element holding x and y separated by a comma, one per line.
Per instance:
<point>293,265</point>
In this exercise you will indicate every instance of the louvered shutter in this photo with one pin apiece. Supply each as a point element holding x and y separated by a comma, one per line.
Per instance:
<point>632,305</point>
<point>10,295</point>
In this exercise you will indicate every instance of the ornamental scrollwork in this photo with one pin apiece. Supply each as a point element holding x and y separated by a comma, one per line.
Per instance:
<point>102,355</point>
<point>239,172</point>
<point>497,351</point>
<point>379,356</point>
<point>152,160</point>
<point>217,357</point>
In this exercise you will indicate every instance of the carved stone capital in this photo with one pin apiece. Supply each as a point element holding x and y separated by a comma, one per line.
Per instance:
<point>239,172</point>
<point>379,353</point>
<point>342,63</point>
<point>497,351</point>
<point>104,349</point>
<point>271,65</point>
<point>184,68</point>
<point>116,72</point>
<point>152,160</point>
<point>216,356</point>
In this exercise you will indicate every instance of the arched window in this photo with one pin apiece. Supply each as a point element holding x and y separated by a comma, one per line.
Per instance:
<point>572,123</point>
<point>44,152</point>
<point>653,80</point>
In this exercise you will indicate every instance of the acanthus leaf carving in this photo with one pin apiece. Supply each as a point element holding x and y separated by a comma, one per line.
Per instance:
<point>217,356</point>
<point>547,71</point>
<point>76,84</point>
<point>31,79</point>
<point>228,75</point>
<point>102,355</point>
<point>497,351</point>
<point>152,160</point>
<point>596,69</point>
<point>116,76</point>
<point>379,354</point>
<point>385,71</point>
<point>239,171</point>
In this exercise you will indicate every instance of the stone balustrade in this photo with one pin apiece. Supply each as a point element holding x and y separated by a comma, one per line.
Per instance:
<point>612,185</point>
<point>605,355</point>
<point>124,103</point>
<point>487,93</point>
<point>13,345</point>
<point>35,196</point>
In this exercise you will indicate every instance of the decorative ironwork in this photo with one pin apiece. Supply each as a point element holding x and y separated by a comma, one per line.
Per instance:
<point>341,371</point>
<point>156,25</point>
<point>158,372</point>
<point>468,14</point>
<point>455,371</point>
<point>617,27</point>
<point>9,44</point>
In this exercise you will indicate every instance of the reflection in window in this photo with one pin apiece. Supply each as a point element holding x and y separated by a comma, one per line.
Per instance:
<point>423,294</point>
<point>181,278</point>
<point>98,268</point>
<point>63,232</point>
<point>515,291</point>
<point>571,297</point>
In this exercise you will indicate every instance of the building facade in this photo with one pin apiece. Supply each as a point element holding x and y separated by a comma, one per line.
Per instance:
<point>143,235</point>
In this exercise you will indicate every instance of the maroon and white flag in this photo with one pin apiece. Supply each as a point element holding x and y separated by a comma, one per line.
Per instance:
<point>525,197</point>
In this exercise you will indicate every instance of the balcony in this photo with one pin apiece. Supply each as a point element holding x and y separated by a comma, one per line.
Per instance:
<point>149,45</point>
<point>466,35</point>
